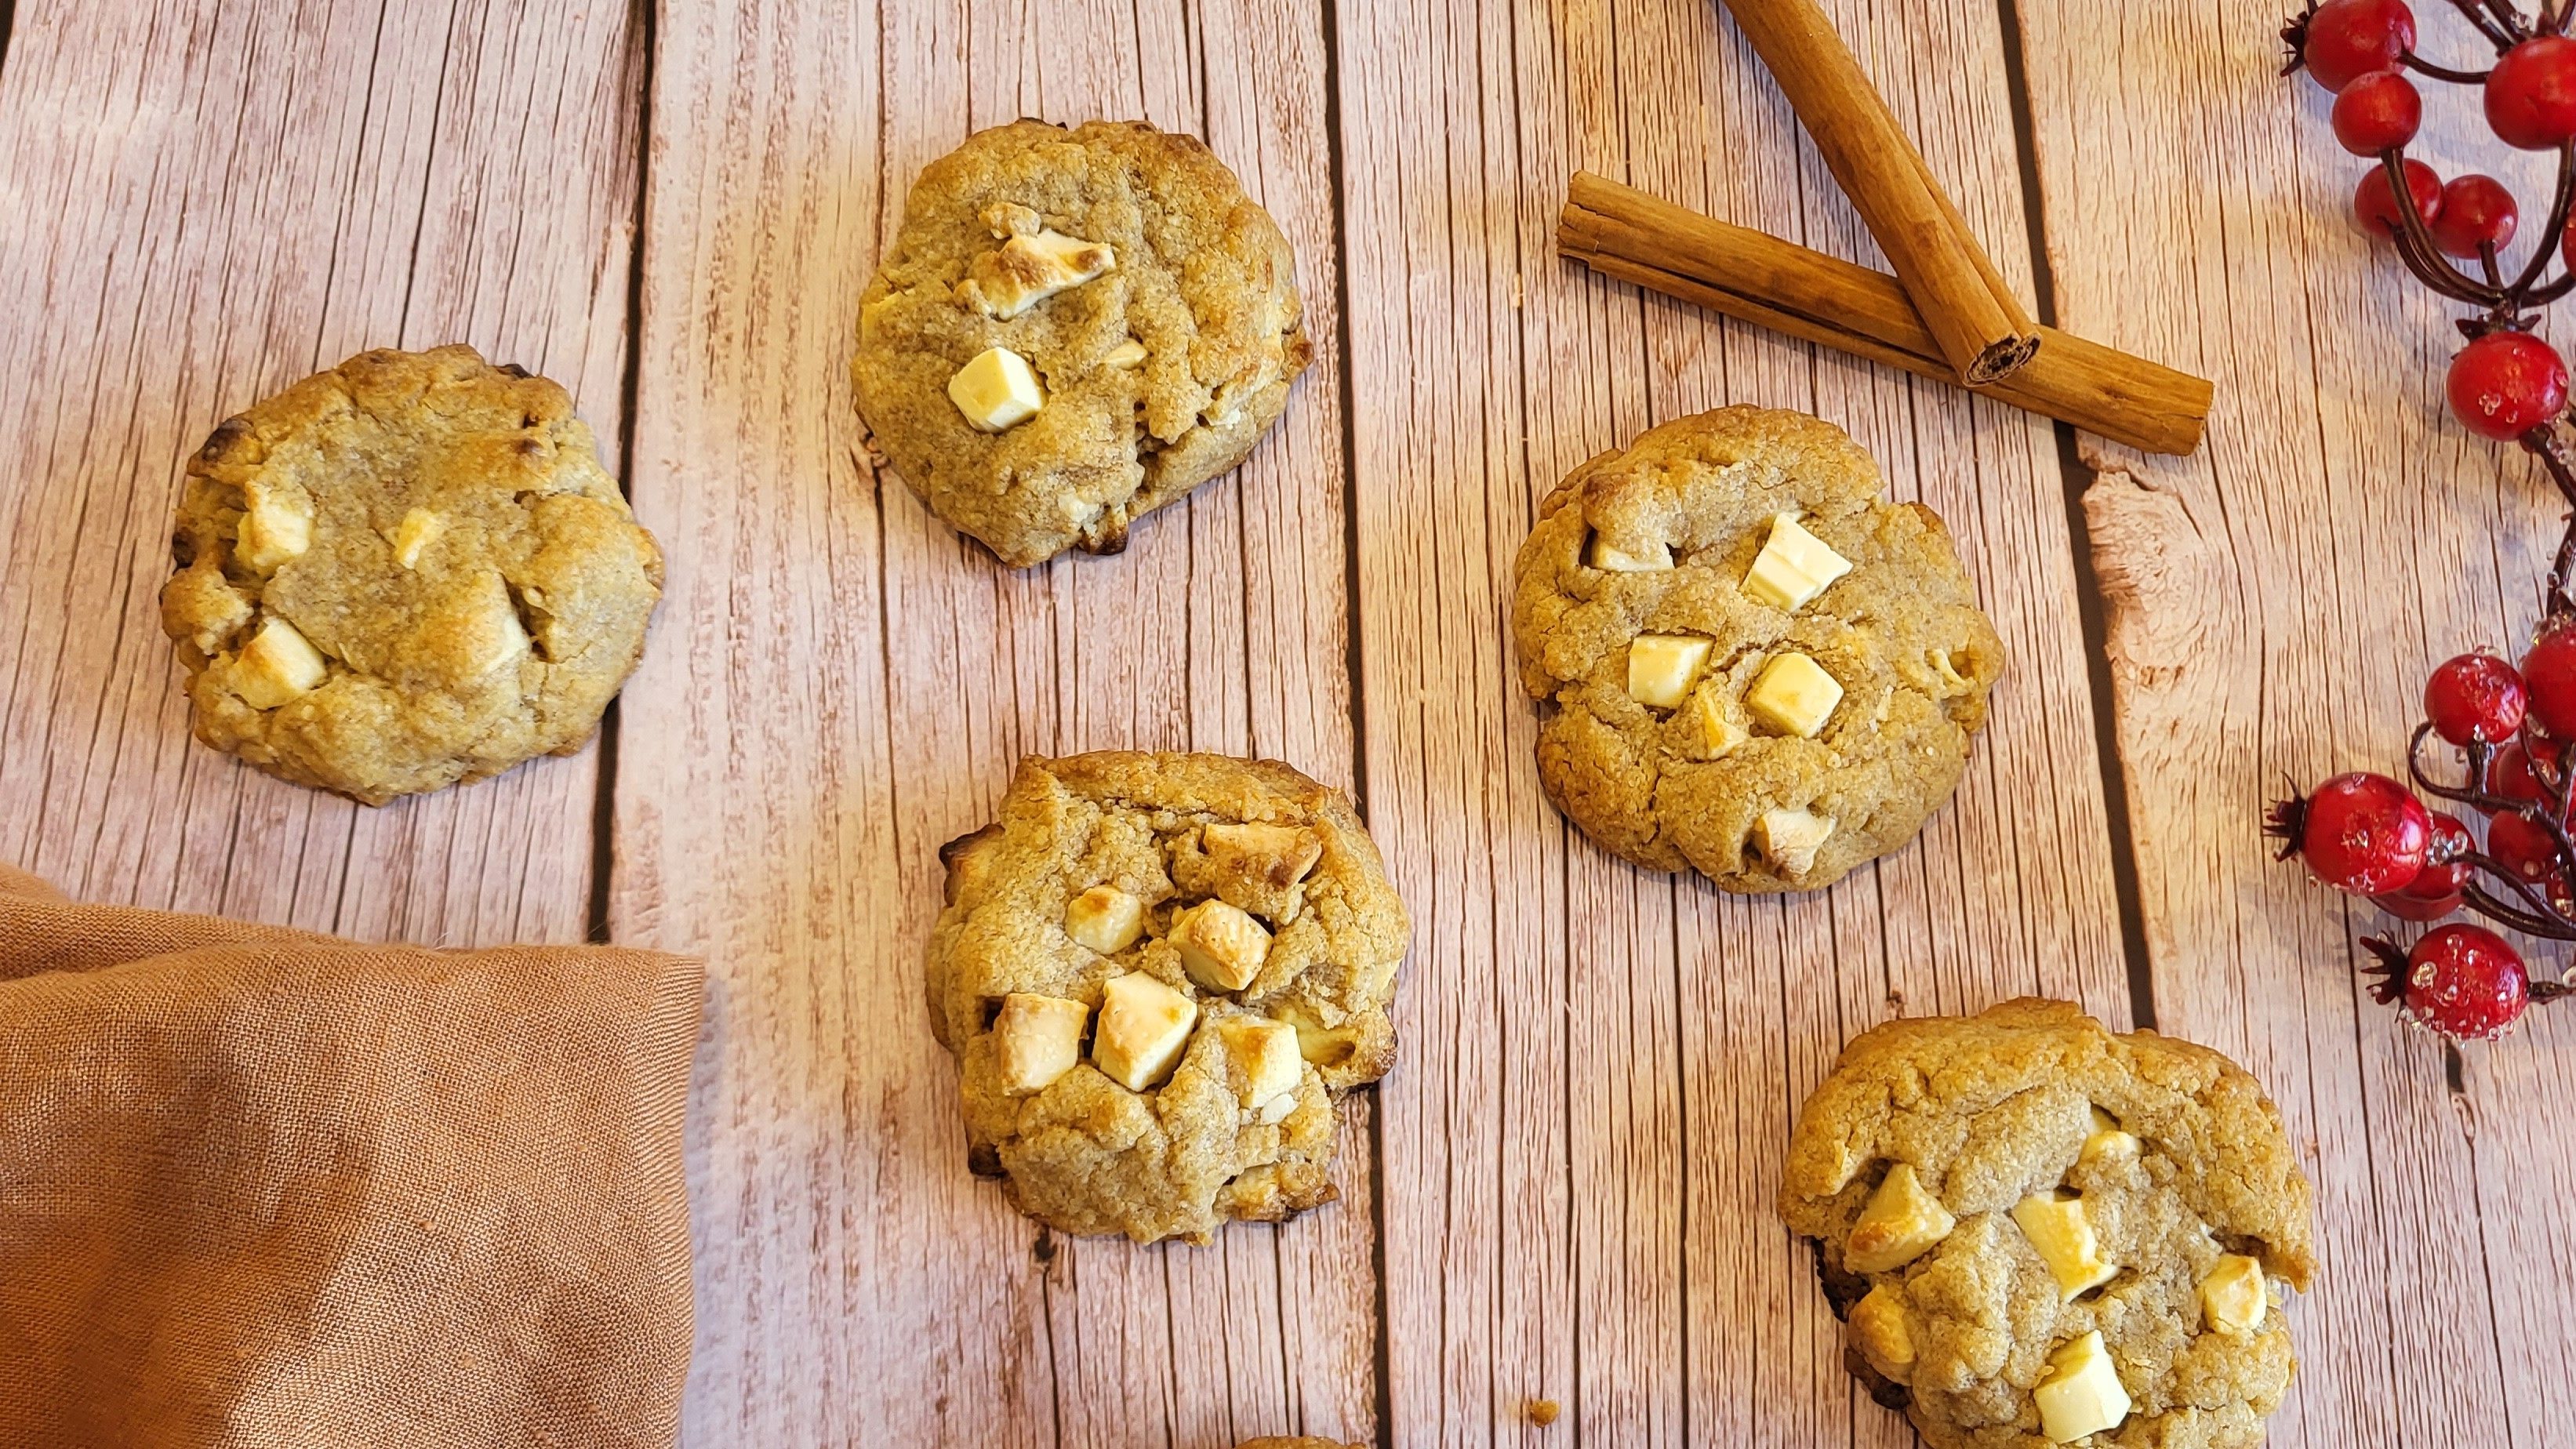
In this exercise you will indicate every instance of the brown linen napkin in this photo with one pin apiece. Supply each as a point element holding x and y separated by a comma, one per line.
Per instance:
<point>266,1188</point>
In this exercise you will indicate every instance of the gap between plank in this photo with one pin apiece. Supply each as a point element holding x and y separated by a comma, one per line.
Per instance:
<point>640,30</point>
<point>1383,1354</point>
<point>2079,532</point>
<point>8,18</point>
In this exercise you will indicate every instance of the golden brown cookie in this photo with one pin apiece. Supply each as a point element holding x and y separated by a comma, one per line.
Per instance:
<point>1753,666</point>
<point>1072,329</point>
<point>2036,1231</point>
<point>1159,974</point>
<point>407,571</point>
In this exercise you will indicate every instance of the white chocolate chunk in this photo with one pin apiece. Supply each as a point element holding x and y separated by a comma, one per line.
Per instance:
<point>1878,1326</point>
<point>1039,1037</point>
<point>1143,1026</point>
<point>1127,356</point>
<point>1952,681</point>
<point>1265,1058</point>
<point>997,391</point>
<point>2064,1236</point>
<point>1275,855</point>
<point>1325,1046</point>
<point>1662,666</point>
<point>1790,839</point>
<point>1896,1225</point>
<point>1105,919</point>
<point>1793,567</point>
<point>1030,268</point>
<point>2109,1142</point>
<point>1222,946</point>
<point>277,526</point>
<point>278,664</point>
<point>412,537</point>
<point>2232,1296</point>
<point>1719,734</point>
<point>1794,695</point>
<point>1612,560</point>
<point>2082,1394</point>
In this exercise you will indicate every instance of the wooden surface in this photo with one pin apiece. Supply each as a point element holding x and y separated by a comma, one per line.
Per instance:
<point>1564,1190</point>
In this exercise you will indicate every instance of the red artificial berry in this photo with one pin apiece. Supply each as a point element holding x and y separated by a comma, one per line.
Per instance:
<point>2374,205</point>
<point>2567,245</point>
<point>2436,890</point>
<point>2407,906</point>
<point>2522,845</point>
<point>2361,833</point>
<point>2506,383</point>
<point>2460,980</point>
<point>2549,674</point>
<point>2476,211</point>
<point>2474,699</point>
<point>2531,93</point>
<point>2377,112</point>
<point>2346,39</point>
<point>2509,773</point>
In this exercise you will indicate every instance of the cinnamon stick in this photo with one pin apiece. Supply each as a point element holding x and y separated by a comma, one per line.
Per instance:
<point>1979,327</point>
<point>1743,273</point>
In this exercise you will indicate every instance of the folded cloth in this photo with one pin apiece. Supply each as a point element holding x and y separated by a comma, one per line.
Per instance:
<point>265,1188</point>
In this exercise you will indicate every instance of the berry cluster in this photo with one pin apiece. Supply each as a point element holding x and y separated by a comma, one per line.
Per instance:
<point>2373,836</point>
<point>2369,834</point>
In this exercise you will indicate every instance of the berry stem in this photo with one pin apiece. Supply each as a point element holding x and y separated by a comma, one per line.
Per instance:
<point>2497,35</point>
<point>2549,445</point>
<point>2422,255</point>
<point>2421,66</point>
<point>2558,203</point>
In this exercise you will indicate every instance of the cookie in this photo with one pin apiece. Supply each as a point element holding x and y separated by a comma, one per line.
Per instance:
<point>1159,974</point>
<point>1750,664</point>
<point>2035,1230</point>
<point>407,571</point>
<point>1072,329</point>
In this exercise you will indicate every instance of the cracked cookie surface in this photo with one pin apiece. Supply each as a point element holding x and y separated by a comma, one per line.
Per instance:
<point>1151,304</point>
<point>405,572</point>
<point>1694,717</point>
<point>1987,1193</point>
<point>1159,974</point>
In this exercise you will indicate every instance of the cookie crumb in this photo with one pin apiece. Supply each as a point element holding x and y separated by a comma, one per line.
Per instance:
<point>1543,1412</point>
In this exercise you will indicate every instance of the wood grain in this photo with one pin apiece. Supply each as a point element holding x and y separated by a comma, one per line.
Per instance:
<point>200,215</point>
<point>1581,1150</point>
<point>2274,606</point>
<point>1564,1191</point>
<point>849,684</point>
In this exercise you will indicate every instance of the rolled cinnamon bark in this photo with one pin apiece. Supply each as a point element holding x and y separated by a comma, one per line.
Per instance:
<point>1975,321</point>
<point>1743,273</point>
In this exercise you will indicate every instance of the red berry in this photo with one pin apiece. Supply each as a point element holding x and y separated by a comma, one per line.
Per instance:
<point>2476,211</point>
<point>2460,980</point>
<point>2361,833</point>
<point>2446,864</point>
<point>2549,673</point>
<point>2407,906</point>
<point>2509,773</point>
<point>2374,205</point>
<point>2531,93</point>
<point>2474,699</point>
<point>2351,38</point>
<point>2523,846</point>
<point>2377,112</point>
<point>2506,383</point>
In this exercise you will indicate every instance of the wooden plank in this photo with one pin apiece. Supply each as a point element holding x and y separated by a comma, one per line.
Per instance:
<point>201,215</point>
<point>851,714</point>
<point>2273,606</point>
<point>1581,1156</point>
